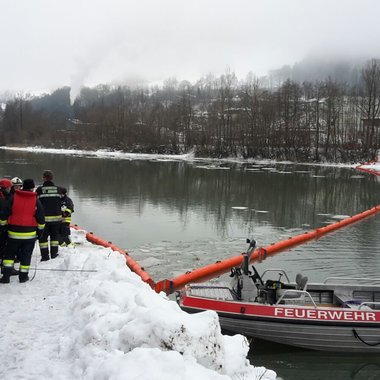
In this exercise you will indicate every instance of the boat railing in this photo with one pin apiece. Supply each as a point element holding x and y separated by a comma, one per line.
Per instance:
<point>350,279</point>
<point>367,303</point>
<point>279,271</point>
<point>295,300</point>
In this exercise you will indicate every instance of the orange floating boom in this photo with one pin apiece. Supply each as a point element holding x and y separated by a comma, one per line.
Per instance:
<point>213,270</point>
<point>370,171</point>
<point>367,170</point>
<point>132,264</point>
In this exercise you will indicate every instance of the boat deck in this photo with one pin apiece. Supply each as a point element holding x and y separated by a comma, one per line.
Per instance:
<point>336,296</point>
<point>319,316</point>
<point>221,291</point>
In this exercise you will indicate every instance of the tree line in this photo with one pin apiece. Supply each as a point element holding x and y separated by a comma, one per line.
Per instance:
<point>322,120</point>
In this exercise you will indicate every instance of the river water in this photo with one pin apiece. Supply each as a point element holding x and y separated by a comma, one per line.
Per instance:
<point>174,216</point>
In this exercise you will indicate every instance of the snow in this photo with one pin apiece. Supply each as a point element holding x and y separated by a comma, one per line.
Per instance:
<point>372,166</point>
<point>85,315</point>
<point>102,153</point>
<point>188,157</point>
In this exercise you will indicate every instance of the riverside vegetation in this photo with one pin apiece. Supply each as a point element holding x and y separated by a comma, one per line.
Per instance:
<point>283,119</point>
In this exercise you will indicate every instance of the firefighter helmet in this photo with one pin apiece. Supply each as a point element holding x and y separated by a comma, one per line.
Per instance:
<point>16,181</point>
<point>5,183</point>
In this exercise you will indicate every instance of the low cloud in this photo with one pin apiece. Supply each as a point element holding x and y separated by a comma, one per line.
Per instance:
<point>52,44</point>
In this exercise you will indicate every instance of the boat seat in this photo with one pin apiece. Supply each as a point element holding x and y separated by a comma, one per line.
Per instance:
<point>301,282</point>
<point>294,297</point>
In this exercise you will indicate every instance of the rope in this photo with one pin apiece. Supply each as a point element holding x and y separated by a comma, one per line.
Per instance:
<point>56,270</point>
<point>356,335</point>
<point>35,268</point>
<point>65,270</point>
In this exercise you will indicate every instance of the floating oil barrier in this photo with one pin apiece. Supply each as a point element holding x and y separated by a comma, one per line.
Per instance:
<point>220,267</point>
<point>367,170</point>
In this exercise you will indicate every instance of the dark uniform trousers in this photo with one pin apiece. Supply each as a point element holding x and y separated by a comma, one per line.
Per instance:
<point>23,250</point>
<point>50,198</point>
<point>51,229</point>
<point>65,233</point>
<point>3,231</point>
<point>3,244</point>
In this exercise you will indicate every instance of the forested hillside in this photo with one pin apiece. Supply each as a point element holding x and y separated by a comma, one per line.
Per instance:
<point>279,117</point>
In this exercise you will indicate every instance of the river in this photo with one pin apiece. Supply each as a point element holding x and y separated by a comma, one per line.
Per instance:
<point>174,216</point>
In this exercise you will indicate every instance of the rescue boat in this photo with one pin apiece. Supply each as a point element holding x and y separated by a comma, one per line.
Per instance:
<point>338,314</point>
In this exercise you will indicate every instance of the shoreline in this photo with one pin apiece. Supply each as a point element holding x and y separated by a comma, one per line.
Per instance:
<point>187,157</point>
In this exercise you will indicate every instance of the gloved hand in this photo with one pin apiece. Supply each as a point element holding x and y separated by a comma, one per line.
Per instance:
<point>39,234</point>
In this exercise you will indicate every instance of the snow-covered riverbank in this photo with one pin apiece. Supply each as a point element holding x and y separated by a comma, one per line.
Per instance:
<point>85,315</point>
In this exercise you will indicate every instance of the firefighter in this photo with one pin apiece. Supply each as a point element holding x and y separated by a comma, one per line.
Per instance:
<point>50,198</point>
<point>67,208</point>
<point>16,184</point>
<point>24,216</point>
<point>5,188</point>
<point>5,194</point>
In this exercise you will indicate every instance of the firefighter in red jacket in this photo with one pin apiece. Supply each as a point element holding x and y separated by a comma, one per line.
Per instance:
<point>24,216</point>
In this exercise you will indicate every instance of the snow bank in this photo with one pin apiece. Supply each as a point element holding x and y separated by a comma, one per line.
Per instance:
<point>92,318</point>
<point>103,153</point>
<point>187,157</point>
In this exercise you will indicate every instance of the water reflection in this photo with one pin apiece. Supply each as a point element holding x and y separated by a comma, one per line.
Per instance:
<point>176,216</point>
<point>139,203</point>
<point>290,199</point>
<point>295,364</point>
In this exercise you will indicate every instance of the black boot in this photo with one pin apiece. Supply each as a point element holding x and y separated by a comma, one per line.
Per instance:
<point>23,277</point>
<point>4,280</point>
<point>54,255</point>
<point>45,257</point>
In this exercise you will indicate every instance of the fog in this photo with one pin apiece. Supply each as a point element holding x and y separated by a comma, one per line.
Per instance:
<point>46,44</point>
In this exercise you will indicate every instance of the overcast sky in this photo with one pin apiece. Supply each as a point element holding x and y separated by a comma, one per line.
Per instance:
<point>46,44</point>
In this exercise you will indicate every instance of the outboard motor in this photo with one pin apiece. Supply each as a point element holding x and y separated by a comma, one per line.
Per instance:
<point>247,256</point>
<point>243,285</point>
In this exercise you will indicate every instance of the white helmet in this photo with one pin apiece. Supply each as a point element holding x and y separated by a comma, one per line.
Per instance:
<point>16,181</point>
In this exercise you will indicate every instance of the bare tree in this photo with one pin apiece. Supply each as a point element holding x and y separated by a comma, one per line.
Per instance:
<point>370,104</point>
